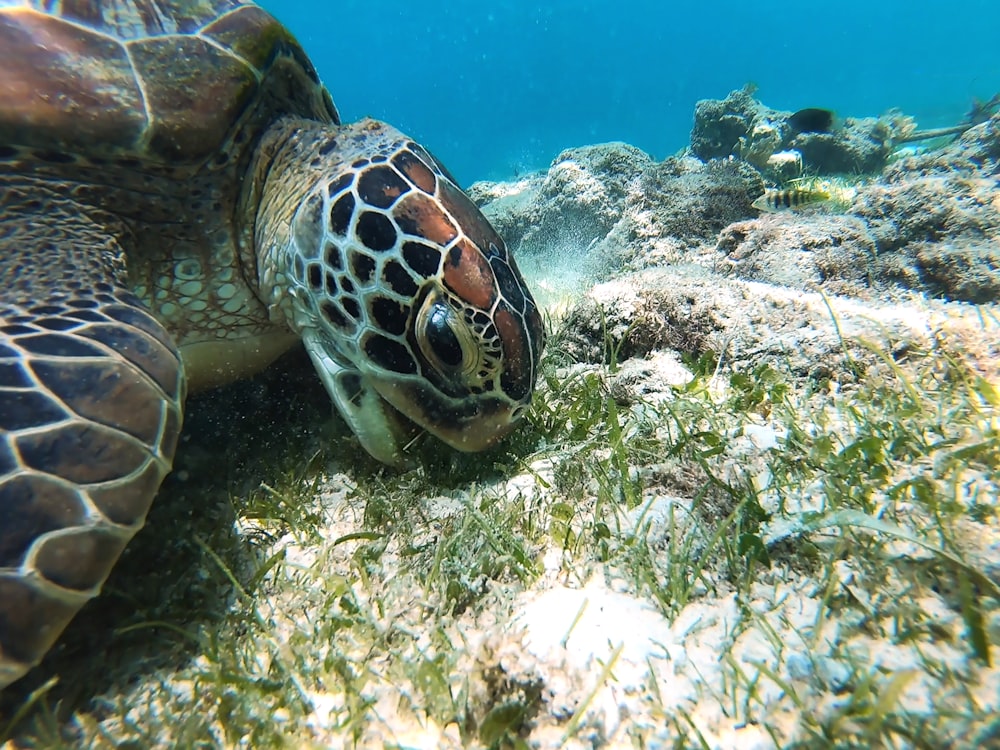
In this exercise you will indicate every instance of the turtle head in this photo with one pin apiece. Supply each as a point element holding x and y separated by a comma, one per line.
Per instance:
<point>407,299</point>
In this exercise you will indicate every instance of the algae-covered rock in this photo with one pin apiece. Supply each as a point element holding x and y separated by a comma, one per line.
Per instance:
<point>695,201</point>
<point>681,205</point>
<point>963,270</point>
<point>742,126</point>
<point>612,206</point>
<point>510,206</point>
<point>574,203</point>
<point>935,218</point>
<point>585,191</point>
<point>817,249</point>
<point>694,312</point>
<point>719,124</point>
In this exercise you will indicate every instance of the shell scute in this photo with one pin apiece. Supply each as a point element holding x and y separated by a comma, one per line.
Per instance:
<point>66,85</point>
<point>257,37</point>
<point>191,111</point>
<point>135,18</point>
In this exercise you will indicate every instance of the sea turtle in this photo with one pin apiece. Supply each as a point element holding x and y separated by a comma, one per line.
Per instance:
<point>179,204</point>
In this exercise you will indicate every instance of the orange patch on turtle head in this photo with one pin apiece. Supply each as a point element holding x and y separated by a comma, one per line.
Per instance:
<point>421,216</point>
<point>516,377</point>
<point>467,215</point>
<point>468,274</point>
<point>416,171</point>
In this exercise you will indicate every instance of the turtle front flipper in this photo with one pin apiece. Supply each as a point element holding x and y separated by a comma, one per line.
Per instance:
<point>91,387</point>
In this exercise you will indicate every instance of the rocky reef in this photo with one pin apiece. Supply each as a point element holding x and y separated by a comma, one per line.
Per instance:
<point>742,126</point>
<point>928,222</point>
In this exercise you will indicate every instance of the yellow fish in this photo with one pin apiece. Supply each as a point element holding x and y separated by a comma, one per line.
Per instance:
<point>789,200</point>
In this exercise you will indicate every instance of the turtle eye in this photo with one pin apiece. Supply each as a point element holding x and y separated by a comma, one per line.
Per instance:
<point>445,339</point>
<point>441,339</point>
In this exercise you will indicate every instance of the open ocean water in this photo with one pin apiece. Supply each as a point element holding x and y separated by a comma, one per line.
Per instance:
<point>499,88</point>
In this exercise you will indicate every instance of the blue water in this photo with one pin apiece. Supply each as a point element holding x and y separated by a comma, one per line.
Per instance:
<point>496,89</point>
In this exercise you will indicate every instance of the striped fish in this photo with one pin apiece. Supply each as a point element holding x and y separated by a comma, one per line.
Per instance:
<point>789,200</point>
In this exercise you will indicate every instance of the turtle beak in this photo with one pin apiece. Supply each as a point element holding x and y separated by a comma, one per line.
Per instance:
<point>465,425</point>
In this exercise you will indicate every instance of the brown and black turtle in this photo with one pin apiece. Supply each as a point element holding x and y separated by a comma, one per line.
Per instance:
<point>179,204</point>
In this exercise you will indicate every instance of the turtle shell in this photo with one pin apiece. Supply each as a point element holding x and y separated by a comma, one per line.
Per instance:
<point>160,81</point>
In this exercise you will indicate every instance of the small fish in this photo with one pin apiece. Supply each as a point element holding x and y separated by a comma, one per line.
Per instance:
<point>789,200</point>
<point>811,120</point>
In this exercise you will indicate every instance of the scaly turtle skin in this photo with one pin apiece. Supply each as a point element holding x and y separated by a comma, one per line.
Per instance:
<point>179,204</point>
